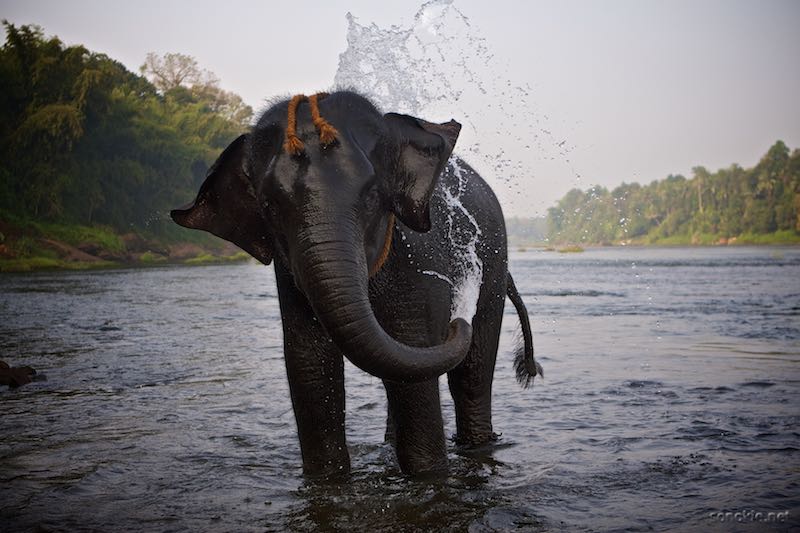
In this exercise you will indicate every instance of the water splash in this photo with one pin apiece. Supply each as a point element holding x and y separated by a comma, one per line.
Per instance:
<point>463,233</point>
<point>437,68</point>
<point>441,67</point>
<point>465,236</point>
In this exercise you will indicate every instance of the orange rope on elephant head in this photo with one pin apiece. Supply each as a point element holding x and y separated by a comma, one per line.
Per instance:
<point>327,133</point>
<point>293,144</point>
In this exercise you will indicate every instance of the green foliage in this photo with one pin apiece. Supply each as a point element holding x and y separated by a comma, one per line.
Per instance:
<point>205,259</point>
<point>733,205</point>
<point>526,231</point>
<point>779,237</point>
<point>102,237</point>
<point>151,258</point>
<point>28,264</point>
<point>570,250</point>
<point>86,142</point>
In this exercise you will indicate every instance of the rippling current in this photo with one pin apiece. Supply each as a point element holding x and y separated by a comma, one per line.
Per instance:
<point>671,395</point>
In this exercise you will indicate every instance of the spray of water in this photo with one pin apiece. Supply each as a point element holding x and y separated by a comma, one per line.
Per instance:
<point>464,236</point>
<point>441,67</point>
<point>431,69</point>
<point>463,233</point>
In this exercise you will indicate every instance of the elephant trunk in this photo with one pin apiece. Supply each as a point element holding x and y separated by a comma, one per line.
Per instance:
<point>333,274</point>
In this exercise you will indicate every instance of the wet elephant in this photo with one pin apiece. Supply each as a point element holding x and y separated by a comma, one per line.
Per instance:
<point>384,253</point>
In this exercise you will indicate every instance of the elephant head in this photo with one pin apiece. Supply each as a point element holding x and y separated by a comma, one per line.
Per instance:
<point>319,195</point>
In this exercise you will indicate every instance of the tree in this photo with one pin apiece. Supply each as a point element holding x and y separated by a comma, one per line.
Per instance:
<point>707,208</point>
<point>179,77</point>
<point>174,70</point>
<point>84,140</point>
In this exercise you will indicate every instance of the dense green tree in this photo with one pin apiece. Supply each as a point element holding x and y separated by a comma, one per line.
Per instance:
<point>84,140</point>
<point>709,207</point>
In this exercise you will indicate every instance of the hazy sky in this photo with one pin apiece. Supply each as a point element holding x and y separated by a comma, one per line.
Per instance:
<point>638,89</point>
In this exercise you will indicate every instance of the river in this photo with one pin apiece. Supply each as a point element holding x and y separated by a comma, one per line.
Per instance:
<point>670,398</point>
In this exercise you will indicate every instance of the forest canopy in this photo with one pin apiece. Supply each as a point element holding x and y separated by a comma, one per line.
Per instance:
<point>730,205</point>
<point>86,141</point>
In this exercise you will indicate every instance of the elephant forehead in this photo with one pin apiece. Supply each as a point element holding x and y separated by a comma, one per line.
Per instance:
<point>343,166</point>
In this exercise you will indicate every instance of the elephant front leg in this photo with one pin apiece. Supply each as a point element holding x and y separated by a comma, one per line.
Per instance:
<point>317,388</point>
<point>416,424</point>
<point>315,368</point>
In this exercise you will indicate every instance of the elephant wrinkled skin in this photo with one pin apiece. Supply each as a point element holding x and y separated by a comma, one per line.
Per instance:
<point>325,212</point>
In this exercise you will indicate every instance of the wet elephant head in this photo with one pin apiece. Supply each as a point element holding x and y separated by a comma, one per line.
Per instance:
<point>315,185</point>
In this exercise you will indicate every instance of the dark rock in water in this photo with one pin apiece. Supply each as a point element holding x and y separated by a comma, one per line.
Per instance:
<point>17,376</point>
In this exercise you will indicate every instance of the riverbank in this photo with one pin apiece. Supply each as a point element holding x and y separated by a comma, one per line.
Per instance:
<point>27,245</point>
<point>778,238</point>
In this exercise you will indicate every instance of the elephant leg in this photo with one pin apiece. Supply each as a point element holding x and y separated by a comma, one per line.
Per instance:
<point>315,369</point>
<point>471,381</point>
<point>417,425</point>
<point>391,431</point>
<point>317,391</point>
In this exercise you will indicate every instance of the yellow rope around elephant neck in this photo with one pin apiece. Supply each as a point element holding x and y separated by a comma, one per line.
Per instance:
<point>327,133</point>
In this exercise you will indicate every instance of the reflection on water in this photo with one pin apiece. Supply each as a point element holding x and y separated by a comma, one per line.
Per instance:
<point>671,393</point>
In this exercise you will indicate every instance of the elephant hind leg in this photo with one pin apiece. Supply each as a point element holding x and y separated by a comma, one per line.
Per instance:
<point>471,381</point>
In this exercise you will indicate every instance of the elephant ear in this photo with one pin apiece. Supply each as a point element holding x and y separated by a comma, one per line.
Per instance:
<point>227,206</point>
<point>424,149</point>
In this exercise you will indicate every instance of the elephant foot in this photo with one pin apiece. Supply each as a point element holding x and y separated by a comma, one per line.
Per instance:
<point>476,439</point>
<point>418,467</point>
<point>331,473</point>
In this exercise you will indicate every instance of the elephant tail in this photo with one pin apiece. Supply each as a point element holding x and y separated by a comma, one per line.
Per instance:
<point>524,362</point>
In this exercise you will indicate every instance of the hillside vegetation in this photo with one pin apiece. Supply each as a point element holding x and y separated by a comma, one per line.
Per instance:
<point>760,205</point>
<point>93,156</point>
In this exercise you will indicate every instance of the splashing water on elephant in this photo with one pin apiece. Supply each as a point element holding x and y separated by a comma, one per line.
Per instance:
<point>466,292</point>
<point>441,67</point>
<point>467,285</point>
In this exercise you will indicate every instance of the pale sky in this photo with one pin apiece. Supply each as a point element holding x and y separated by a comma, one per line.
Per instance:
<point>637,89</point>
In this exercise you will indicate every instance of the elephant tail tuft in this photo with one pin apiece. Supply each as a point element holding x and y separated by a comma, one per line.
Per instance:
<point>525,363</point>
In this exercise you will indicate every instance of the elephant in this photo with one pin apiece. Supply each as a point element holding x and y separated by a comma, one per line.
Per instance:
<point>387,251</point>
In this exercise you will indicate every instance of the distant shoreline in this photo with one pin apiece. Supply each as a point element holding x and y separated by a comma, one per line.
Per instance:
<point>29,246</point>
<point>778,238</point>
<point>67,262</point>
<point>50,264</point>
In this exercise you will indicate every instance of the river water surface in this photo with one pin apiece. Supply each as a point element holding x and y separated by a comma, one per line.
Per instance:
<point>671,394</point>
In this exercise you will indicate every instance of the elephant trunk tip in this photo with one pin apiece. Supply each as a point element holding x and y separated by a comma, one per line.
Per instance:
<point>460,334</point>
<point>450,353</point>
